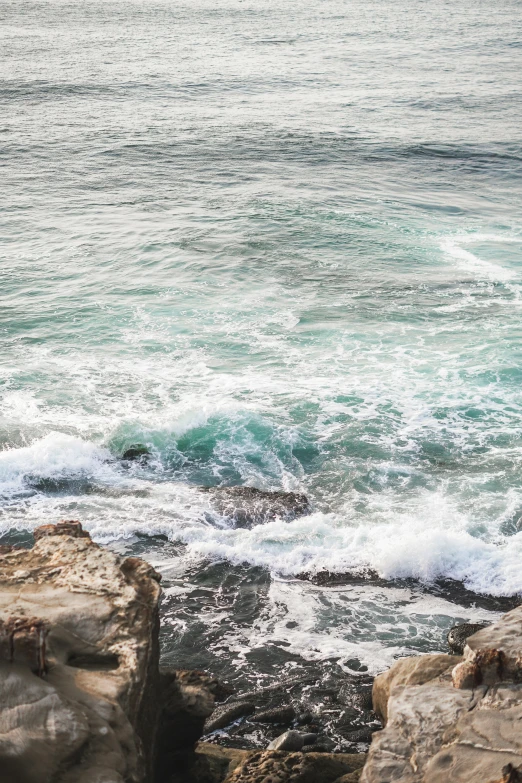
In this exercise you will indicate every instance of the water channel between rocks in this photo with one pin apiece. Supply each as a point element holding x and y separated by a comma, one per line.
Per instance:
<point>280,642</point>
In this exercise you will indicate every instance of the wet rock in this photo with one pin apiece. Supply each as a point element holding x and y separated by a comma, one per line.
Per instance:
<point>292,740</point>
<point>273,766</point>
<point>463,724</point>
<point>283,715</point>
<point>187,701</point>
<point>350,777</point>
<point>226,714</point>
<point>448,589</point>
<point>363,700</point>
<point>78,662</point>
<point>357,695</point>
<point>360,735</point>
<point>136,453</point>
<point>510,774</point>
<point>459,633</point>
<point>247,506</point>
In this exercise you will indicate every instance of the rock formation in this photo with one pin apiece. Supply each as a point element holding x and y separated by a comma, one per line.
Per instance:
<point>247,506</point>
<point>452,720</point>
<point>82,698</point>
<point>275,766</point>
<point>458,635</point>
<point>78,662</point>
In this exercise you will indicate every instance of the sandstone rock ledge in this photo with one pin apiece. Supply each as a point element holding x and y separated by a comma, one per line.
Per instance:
<point>82,699</point>
<point>78,662</point>
<point>451,719</point>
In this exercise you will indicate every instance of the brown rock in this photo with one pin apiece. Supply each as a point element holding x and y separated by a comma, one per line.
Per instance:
<point>458,728</point>
<point>78,663</point>
<point>275,766</point>
<point>67,527</point>
<point>406,672</point>
<point>227,713</point>
<point>187,701</point>
<point>510,774</point>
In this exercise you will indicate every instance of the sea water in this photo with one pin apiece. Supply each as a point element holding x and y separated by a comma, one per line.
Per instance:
<point>280,245</point>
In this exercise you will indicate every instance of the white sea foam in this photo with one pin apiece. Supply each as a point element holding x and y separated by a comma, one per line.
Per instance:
<point>322,542</point>
<point>422,533</point>
<point>347,622</point>
<point>454,247</point>
<point>57,455</point>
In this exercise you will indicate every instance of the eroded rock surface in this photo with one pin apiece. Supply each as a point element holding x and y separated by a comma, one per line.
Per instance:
<point>275,766</point>
<point>78,662</point>
<point>461,725</point>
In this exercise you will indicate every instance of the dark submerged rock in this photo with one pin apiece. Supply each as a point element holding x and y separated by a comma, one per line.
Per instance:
<point>226,714</point>
<point>283,715</point>
<point>247,506</point>
<point>459,633</point>
<point>136,453</point>
<point>449,589</point>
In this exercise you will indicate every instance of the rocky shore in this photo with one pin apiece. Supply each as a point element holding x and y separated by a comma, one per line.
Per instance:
<point>84,699</point>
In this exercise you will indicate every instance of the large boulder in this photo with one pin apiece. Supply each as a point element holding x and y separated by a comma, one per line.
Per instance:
<point>461,725</point>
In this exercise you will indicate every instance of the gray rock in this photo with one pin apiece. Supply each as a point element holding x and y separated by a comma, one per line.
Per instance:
<point>459,633</point>
<point>247,506</point>
<point>360,735</point>
<point>283,715</point>
<point>226,714</point>
<point>292,741</point>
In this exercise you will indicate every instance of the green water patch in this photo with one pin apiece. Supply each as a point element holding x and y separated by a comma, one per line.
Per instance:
<point>223,449</point>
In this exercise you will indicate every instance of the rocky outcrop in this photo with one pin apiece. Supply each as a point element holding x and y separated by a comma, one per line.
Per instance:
<point>78,662</point>
<point>136,453</point>
<point>406,672</point>
<point>453,722</point>
<point>82,697</point>
<point>247,506</point>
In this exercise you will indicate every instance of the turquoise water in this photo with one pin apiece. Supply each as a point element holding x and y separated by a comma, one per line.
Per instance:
<point>280,244</point>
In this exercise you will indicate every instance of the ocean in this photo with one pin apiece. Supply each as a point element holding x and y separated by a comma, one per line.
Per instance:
<point>280,245</point>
